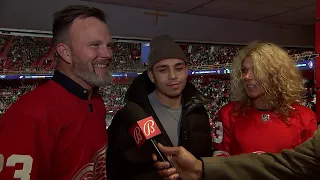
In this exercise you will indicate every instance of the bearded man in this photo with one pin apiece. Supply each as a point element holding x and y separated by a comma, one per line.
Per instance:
<point>58,130</point>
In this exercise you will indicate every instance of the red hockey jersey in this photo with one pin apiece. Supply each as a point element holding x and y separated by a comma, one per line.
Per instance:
<point>54,133</point>
<point>261,131</point>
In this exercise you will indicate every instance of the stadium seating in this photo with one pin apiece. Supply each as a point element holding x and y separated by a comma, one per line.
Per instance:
<point>22,54</point>
<point>36,54</point>
<point>125,56</point>
<point>3,41</point>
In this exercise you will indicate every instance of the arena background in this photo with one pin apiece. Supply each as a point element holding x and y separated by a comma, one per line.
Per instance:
<point>285,22</point>
<point>210,32</point>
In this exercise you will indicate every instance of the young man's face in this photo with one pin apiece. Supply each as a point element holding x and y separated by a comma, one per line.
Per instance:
<point>169,77</point>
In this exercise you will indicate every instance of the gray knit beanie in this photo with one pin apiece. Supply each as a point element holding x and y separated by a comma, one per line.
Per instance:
<point>163,47</point>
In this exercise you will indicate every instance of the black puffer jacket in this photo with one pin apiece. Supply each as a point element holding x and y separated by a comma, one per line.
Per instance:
<point>126,161</point>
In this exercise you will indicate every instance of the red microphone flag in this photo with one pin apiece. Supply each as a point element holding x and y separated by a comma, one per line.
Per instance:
<point>143,130</point>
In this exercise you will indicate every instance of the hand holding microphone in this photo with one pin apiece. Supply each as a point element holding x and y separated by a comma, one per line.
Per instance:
<point>186,166</point>
<point>144,128</point>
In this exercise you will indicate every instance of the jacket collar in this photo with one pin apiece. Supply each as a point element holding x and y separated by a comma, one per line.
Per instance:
<point>71,86</point>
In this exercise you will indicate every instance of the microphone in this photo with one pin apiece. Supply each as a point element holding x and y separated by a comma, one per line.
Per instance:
<point>143,128</point>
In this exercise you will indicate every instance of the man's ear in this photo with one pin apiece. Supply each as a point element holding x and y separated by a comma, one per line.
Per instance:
<point>150,74</point>
<point>64,52</point>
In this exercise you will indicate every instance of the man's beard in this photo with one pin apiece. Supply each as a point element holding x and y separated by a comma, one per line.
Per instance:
<point>83,71</point>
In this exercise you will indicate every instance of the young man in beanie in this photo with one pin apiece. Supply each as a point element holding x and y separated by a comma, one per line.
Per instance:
<point>177,107</point>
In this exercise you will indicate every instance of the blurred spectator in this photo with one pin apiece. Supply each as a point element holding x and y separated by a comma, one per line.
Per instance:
<point>1,105</point>
<point>301,54</point>
<point>200,55</point>
<point>126,57</point>
<point>113,96</point>
<point>27,51</point>
<point>3,41</point>
<point>217,89</point>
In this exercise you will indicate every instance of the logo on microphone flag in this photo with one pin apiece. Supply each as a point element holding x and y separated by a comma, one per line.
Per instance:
<point>144,129</point>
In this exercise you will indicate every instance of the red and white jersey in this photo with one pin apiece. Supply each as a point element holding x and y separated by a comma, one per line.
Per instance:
<point>261,131</point>
<point>52,134</point>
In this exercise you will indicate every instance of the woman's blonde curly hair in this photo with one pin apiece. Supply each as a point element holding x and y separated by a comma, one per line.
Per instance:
<point>280,79</point>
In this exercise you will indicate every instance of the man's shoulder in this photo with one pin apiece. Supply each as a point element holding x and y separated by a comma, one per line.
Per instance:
<point>45,90</point>
<point>29,97</point>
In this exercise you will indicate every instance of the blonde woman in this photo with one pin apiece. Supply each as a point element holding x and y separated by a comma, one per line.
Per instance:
<point>266,115</point>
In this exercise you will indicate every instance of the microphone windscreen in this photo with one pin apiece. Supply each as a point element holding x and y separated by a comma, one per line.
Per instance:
<point>134,111</point>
